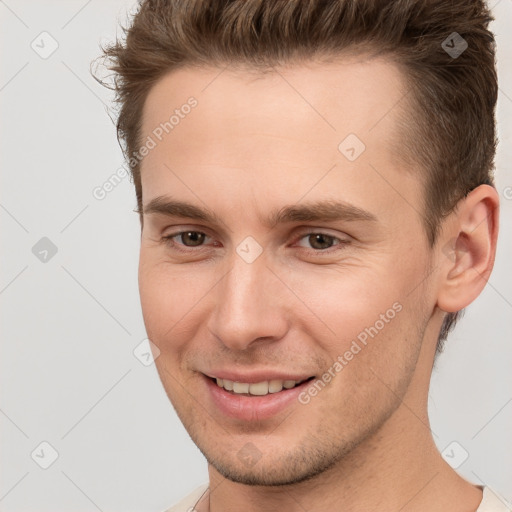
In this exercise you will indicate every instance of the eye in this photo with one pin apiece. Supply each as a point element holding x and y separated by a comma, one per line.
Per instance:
<point>322,241</point>
<point>317,241</point>
<point>188,238</point>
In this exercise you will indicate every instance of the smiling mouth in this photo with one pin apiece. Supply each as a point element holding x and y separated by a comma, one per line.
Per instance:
<point>257,388</point>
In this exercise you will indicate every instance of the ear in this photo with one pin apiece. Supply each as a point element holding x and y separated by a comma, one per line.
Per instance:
<point>468,248</point>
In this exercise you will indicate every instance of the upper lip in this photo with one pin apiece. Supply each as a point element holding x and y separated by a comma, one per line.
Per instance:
<point>256,375</point>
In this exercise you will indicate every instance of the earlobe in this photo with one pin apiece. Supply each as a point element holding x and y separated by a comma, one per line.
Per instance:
<point>468,248</point>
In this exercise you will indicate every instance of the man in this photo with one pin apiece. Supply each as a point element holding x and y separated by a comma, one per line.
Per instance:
<point>314,183</point>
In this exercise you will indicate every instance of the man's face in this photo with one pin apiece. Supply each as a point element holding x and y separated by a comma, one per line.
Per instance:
<point>248,300</point>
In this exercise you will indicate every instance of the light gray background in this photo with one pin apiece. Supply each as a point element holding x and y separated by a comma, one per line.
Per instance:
<point>69,326</point>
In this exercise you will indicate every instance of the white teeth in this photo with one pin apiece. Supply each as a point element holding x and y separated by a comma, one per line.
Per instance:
<point>261,388</point>
<point>240,387</point>
<point>274,386</point>
<point>257,388</point>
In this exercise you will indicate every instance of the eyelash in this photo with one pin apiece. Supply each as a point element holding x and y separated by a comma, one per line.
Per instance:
<point>168,240</point>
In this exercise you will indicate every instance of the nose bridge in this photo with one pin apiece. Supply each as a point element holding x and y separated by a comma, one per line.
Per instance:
<point>247,307</point>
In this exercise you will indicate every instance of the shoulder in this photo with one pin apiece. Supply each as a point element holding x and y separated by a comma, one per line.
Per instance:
<point>188,502</point>
<point>491,502</point>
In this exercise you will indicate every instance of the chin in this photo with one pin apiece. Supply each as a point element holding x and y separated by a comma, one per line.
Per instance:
<point>283,471</point>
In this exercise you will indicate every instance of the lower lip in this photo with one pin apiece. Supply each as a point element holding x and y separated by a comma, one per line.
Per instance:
<point>253,408</point>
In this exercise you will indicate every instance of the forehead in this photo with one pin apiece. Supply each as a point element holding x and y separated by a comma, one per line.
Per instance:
<point>284,129</point>
<point>354,93</point>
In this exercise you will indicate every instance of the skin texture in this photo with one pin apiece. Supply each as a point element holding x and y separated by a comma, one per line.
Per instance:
<point>252,145</point>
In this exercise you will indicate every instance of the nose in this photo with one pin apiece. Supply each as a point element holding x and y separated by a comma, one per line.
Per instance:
<point>250,305</point>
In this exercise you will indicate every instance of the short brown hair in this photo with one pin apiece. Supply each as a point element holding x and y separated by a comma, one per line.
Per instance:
<point>454,93</point>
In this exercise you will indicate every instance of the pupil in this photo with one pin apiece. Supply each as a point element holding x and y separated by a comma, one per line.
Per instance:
<point>325,241</point>
<point>193,236</point>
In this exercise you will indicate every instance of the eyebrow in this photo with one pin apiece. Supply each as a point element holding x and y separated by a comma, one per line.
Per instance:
<point>324,210</point>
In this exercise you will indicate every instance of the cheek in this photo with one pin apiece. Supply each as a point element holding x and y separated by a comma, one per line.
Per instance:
<point>362,313</point>
<point>350,301</point>
<point>370,369</point>
<point>170,295</point>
